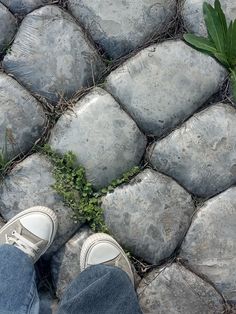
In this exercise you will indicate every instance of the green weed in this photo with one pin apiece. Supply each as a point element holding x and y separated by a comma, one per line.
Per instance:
<point>221,40</point>
<point>77,192</point>
<point>3,157</point>
<point>3,162</point>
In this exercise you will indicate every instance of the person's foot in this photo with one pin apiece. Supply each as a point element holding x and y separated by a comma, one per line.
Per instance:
<point>100,248</point>
<point>32,231</point>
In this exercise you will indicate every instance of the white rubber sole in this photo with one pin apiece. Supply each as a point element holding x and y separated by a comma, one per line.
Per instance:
<point>41,209</point>
<point>94,239</point>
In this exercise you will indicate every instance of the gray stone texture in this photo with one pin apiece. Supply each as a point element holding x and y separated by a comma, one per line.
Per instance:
<point>22,119</point>
<point>121,26</point>
<point>201,154</point>
<point>104,138</point>
<point>65,264</point>
<point>2,223</point>
<point>210,244</point>
<point>51,56</point>
<point>8,27</point>
<point>23,7</point>
<point>176,290</point>
<point>164,84</point>
<point>30,184</point>
<point>192,14</point>
<point>149,216</point>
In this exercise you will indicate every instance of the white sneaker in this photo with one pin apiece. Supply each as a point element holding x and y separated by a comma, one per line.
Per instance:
<point>100,248</point>
<point>32,231</point>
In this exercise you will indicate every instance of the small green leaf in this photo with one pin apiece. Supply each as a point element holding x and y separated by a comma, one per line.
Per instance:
<point>201,43</point>
<point>222,58</point>
<point>231,43</point>
<point>233,83</point>
<point>221,17</point>
<point>214,28</point>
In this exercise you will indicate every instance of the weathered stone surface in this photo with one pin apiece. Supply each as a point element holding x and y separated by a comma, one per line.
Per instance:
<point>51,55</point>
<point>22,118</point>
<point>7,27</point>
<point>201,155</point>
<point>65,264</point>
<point>30,184</point>
<point>121,26</point>
<point>104,138</point>
<point>1,222</point>
<point>48,305</point>
<point>23,7</point>
<point>193,14</point>
<point>210,245</point>
<point>149,216</point>
<point>176,290</point>
<point>164,84</point>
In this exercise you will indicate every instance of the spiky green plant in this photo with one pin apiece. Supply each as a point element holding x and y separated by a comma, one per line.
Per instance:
<point>221,40</point>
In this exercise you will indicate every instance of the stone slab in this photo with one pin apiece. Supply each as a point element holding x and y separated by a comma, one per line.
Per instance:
<point>164,84</point>
<point>150,216</point>
<point>22,118</point>
<point>121,26</point>
<point>65,264</point>
<point>176,290</point>
<point>201,154</point>
<point>2,223</point>
<point>30,184</point>
<point>22,7</point>
<point>192,14</point>
<point>210,244</point>
<point>51,55</point>
<point>104,138</point>
<point>8,27</point>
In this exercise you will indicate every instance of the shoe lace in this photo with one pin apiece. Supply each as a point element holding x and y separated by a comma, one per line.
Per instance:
<point>22,243</point>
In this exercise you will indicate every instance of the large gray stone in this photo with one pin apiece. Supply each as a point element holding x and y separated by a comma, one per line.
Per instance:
<point>121,26</point>
<point>210,245</point>
<point>164,84</point>
<point>30,184</point>
<point>104,138</point>
<point>149,216</point>
<point>8,27</point>
<point>201,155</point>
<point>193,14</point>
<point>23,7</point>
<point>65,264</point>
<point>51,55</point>
<point>176,290</point>
<point>22,118</point>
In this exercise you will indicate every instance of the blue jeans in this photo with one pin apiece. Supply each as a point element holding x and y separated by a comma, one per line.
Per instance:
<point>97,290</point>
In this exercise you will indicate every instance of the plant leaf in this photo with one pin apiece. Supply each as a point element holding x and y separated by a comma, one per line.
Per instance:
<point>221,17</point>
<point>214,28</point>
<point>234,62</point>
<point>201,43</point>
<point>222,58</point>
<point>231,43</point>
<point>233,83</point>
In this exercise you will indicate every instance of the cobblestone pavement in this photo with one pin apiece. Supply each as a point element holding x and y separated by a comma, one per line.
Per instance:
<point>141,96</point>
